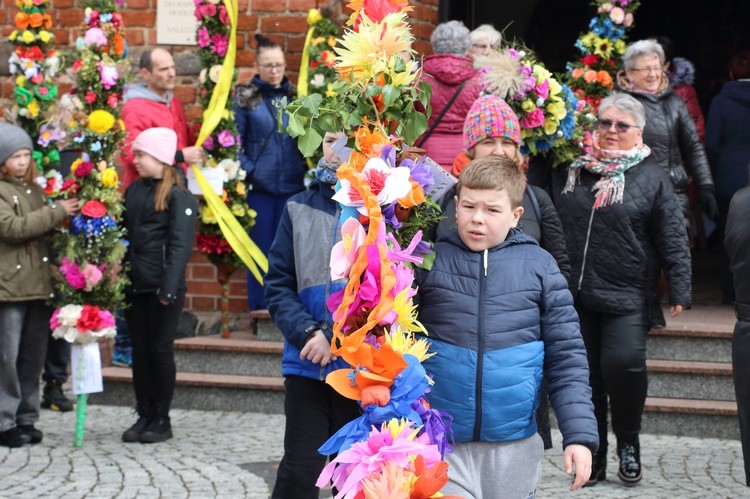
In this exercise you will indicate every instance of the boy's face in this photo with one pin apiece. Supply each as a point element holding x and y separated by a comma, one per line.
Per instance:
<point>17,164</point>
<point>329,155</point>
<point>484,217</point>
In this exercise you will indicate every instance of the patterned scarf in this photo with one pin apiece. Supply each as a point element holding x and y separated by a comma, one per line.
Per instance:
<point>610,165</point>
<point>325,173</point>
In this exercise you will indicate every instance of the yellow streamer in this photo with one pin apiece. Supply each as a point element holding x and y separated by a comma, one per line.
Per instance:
<point>231,229</point>
<point>304,65</point>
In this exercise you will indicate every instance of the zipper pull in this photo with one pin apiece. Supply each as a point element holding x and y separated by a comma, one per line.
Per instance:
<point>485,262</point>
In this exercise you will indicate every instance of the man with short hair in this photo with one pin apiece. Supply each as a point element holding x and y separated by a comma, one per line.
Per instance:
<point>152,104</point>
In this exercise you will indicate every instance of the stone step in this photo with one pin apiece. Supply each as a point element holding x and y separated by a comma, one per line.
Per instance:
<point>209,392</point>
<point>690,417</point>
<point>241,354</point>
<point>690,345</point>
<point>690,380</point>
<point>265,329</point>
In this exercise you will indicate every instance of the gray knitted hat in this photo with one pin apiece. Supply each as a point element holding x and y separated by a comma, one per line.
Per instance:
<point>12,139</point>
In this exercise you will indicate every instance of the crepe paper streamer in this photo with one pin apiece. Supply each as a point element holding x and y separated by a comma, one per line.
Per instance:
<point>80,419</point>
<point>232,230</point>
<point>217,104</point>
<point>313,16</point>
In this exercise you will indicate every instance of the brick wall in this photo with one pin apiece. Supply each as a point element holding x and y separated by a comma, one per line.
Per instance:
<point>284,21</point>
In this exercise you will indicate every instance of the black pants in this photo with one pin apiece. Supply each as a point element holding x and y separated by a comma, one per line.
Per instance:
<point>152,330</point>
<point>314,412</point>
<point>741,373</point>
<point>616,349</point>
<point>58,358</point>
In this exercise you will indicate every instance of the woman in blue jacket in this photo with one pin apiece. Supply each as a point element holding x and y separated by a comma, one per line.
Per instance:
<point>271,159</point>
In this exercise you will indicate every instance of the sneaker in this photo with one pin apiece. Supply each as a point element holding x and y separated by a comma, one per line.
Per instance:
<point>120,359</point>
<point>54,398</point>
<point>158,430</point>
<point>35,436</point>
<point>133,434</point>
<point>15,437</point>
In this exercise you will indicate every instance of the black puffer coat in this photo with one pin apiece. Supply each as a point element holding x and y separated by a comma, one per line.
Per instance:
<point>160,241</point>
<point>616,251</point>
<point>674,142</point>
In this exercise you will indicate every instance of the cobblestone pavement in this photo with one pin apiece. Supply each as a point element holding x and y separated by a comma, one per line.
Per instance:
<point>228,455</point>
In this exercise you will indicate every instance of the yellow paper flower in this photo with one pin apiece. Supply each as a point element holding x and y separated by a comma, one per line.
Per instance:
<point>109,177</point>
<point>365,53</point>
<point>20,80</point>
<point>74,165</point>
<point>45,36</point>
<point>329,91</point>
<point>207,215</point>
<point>404,343</point>
<point>238,210</point>
<point>27,36</point>
<point>100,121</point>
<point>240,189</point>
<point>13,36</point>
<point>33,108</point>
<point>541,74</point>
<point>557,109</point>
<point>331,41</point>
<point>313,16</point>
<point>588,39</point>
<point>603,48</point>
<point>317,40</point>
<point>550,125</point>
<point>528,105</point>
<point>620,46</point>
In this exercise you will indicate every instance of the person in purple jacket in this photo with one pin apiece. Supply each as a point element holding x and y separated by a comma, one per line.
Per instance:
<point>455,86</point>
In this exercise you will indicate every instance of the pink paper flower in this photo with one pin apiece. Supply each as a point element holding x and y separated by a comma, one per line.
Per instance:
<point>92,274</point>
<point>220,44</point>
<point>532,120</point>
<point>225,138</point>
<point>542,90</point>
<point>207,10</point>
<point>344,252</point>
<point>108,74</point>
<point>223,16</point>
<point>628,20</point>
<point>617,15</point>
<point>203,37</point>
<point>95,36</point>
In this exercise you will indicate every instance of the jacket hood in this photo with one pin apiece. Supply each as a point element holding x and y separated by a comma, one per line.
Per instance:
<point>449,69</point>
<point>624,83</point>
<point>738,90</point>
<point>682,73</point>
<point>515,236</point>
<point>266,87</point>
<point>141,91</point>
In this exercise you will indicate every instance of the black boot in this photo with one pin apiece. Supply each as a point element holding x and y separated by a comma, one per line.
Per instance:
<point>599,460</point>
<point>629,452</point>
<point>54,398</point>
<point>15,437</point>
<point>598,468</point>
<point>158,430</point>
<point>133,434</point>
<point>35,436</point>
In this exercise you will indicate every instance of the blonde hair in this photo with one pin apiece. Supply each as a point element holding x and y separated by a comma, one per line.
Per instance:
<point>495,173</point>
<point>29,177</point>
<point>168,179</point>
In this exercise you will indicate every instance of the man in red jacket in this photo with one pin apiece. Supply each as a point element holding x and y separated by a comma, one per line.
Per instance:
<point>152,104</point>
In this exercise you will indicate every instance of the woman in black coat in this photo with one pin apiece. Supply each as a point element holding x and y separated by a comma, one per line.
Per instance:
<point>623,224</point>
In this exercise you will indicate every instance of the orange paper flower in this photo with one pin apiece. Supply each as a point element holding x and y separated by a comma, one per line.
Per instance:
<point>22,20</point>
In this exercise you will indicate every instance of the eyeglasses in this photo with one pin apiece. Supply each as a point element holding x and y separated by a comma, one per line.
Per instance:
<point>654,69</point>
<point>484,46</point>
<point>619,125</point>
<point>272,67</point>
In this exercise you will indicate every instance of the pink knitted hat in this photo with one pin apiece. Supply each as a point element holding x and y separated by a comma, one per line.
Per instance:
<point>490,116</point>
<point>161,143</point>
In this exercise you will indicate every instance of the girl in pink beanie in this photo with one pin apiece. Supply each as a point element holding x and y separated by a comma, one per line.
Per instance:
<point>160,220</point>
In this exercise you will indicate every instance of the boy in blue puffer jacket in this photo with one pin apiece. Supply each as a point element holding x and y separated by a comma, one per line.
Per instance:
<point>499,317</point>
<point>298,284</point>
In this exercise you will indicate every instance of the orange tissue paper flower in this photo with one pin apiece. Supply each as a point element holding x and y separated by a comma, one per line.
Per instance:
<point>590,76</point>
<point>22,20</point>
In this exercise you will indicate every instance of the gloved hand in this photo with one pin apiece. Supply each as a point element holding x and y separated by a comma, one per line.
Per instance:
<point>707,201</point>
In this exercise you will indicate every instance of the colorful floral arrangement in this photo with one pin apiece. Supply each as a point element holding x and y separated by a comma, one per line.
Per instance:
<point>35,64</point>
<point>91,247</point>
<point>322,58</point>
<point>82,324</point>
<point>545,108</point>
<point>592,75</point>
<point>396,448</point>
<point>222,146</point>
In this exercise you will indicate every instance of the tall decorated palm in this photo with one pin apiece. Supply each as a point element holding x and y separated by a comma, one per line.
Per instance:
<point>399,442</point>
<point>90,278</point>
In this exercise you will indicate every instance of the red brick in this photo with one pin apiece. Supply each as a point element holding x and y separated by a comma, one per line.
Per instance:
<point>283,24</point>
<point>267,6</point>
<point>185,94</point>
<point>238,288</point>
<point>245,75</point>
<point>246,58</point>
<point>133,36</point>
<point>422,30</point>
<point>303,5</point>
<point>61,36</point>
<point>197,257</point>
<point>295,43</point>
<point>238,304</point>
<point>242,6</point>
<point>203,304</point>
<point>424,13</point>
<point>247,22</point>
<point>193,112</point>
<point>64,4</point>
<point>422,47</point>
<point>137,4</point>
<point>205,272</point>
<point>2,17</point>
<point>204,288</point>
<point>147,18</point>
<point>70,17</point>
<point>152,37</point>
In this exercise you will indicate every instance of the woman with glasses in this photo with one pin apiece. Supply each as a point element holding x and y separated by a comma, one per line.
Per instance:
<point>273,164</point>
<point>623,224</point>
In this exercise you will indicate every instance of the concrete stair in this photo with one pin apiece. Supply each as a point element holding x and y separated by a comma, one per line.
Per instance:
<point>691,391</point>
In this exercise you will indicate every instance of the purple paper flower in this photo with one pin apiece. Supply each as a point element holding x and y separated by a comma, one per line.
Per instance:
<point>389,215</point>
<point>226,139</point>
<point>420,173</point>
<point>208,144</point>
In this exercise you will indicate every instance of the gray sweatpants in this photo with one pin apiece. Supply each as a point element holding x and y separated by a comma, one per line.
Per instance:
<point>24,327</point>
<point>489,470</point>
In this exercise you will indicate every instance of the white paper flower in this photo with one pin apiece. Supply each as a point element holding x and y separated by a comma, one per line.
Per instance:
<point>69,314</point>
<point>388,184</point>
<point>215,72</point>
<point>230,167</point>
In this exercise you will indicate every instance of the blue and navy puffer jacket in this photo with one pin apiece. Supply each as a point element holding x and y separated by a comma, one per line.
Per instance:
<point>271,159</point>
<point>498,321</point>
<point>298,281</point>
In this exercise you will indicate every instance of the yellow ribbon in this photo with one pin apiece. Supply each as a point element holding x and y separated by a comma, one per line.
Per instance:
<point>304,65</point>
<point>231,229</point>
